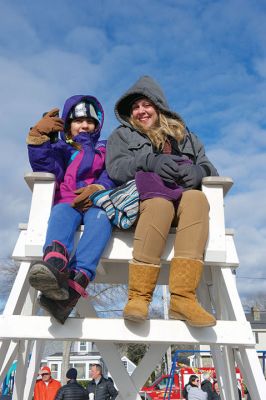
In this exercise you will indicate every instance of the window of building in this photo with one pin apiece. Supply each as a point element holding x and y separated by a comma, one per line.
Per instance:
<point>83,346</point>
<point>81,368</point>
<point>54,370</point>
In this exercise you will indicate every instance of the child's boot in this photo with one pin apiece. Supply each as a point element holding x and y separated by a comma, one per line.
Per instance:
<point>141,284</point>
<point>185,275</point>
<point>61,310</point>
<point>50,276</point>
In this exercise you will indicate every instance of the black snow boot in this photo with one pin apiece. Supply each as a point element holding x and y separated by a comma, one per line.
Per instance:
<point>50,276</point>
<point>61,310</point>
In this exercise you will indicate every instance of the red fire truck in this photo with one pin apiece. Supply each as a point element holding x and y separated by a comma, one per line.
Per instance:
<point>156,390</point>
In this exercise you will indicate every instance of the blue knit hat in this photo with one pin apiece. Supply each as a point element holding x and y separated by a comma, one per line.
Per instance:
<point>72,373</point>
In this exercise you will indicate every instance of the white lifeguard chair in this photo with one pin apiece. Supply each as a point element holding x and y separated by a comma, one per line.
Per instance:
<point>23,333</point>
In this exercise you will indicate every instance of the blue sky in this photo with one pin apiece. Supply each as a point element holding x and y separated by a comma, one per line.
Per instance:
<point>209,57</point>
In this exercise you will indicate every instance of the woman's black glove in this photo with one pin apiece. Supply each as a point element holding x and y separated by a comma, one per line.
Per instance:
<point>190,175</point>
<point>165,165</point>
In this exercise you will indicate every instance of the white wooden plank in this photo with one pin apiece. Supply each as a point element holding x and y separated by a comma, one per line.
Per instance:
<point>7,359</point>
<point>41,204</point>
<point>112,357</point>
<point>152,357</point>
<point>34,365</point>
<point>216,242</point>
<point>254,377</point>
<point>118,330</point>
<point>120,248</point>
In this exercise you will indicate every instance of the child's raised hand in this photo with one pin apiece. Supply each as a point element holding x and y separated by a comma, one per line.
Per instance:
<point>48,124</point>
<point>82,202</point>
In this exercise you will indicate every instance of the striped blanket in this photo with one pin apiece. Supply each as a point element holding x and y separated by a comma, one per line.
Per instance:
<point>120,204</point>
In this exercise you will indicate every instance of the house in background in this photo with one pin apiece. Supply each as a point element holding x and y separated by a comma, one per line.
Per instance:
<point>129,365</point>
<point>257,319</point>
<point>82,356</point>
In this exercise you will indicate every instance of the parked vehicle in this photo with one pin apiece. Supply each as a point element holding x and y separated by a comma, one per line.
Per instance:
<point>156,391</point>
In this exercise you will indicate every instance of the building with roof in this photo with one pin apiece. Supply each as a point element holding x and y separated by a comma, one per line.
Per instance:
<point>82,356</point>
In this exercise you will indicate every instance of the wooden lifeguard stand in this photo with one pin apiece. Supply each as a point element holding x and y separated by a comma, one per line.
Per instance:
<point>23,333</point>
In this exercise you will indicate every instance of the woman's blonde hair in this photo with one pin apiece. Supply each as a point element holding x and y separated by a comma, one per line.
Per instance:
<point>164,127</point>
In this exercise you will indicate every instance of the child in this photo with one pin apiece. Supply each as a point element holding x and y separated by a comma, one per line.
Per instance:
<point>78,161</point>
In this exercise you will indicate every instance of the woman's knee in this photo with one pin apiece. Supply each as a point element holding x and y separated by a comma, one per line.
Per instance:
<point>194,199</point>
<point>157,205</point>
<point>152,229</point>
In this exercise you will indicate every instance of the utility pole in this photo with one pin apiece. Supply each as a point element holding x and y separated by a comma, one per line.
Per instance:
<point>166,316</point>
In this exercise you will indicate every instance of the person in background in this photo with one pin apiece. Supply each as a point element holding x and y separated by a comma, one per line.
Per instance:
<point>102,388</point>
<point>194,392</point>
<point>206,384</point>
<point>193,381</point>
<point>216,391</point>
<point>78,161</point>
<point>72,390</point>
<point>46,387</point>
<point>153,139</point>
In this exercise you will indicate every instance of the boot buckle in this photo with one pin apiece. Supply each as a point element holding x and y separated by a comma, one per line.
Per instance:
<point>78,288</point>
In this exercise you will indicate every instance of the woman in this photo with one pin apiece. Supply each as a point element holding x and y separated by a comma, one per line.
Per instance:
<point>194,392</point>
<point>216,392</point>
<point>193,382</point>
<point>153,138</point>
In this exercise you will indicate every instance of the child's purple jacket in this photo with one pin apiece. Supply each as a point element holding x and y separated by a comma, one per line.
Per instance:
<point>72,168</point>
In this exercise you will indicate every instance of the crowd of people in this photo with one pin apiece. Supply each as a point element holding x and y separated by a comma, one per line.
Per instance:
<point>207,389</point>
<point>99,388</point>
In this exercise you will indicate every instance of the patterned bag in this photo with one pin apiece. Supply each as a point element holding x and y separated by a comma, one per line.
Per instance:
<point>120,204</point>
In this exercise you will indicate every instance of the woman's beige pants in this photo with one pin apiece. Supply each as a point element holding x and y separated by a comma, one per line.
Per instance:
<point>191,220</point>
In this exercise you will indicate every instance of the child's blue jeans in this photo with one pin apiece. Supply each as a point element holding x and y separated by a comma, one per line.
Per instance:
<point>63,223</point>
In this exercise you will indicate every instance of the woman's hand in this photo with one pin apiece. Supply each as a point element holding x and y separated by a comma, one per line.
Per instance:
<point>165,165</point>
<point>82,202</point>
<point>190,175</point>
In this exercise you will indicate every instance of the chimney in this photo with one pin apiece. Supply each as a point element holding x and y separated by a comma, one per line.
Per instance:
<point>255,311</point>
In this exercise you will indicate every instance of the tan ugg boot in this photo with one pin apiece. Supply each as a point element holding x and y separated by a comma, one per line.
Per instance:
<point>184,279</point>
<point>142,280</point>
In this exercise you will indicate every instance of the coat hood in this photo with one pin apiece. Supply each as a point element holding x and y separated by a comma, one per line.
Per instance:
<point>72,101</point>
<point>146,87</point>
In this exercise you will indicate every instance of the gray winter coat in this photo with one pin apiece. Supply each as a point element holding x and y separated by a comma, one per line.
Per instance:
<point>127,149</point>
<point>195,393</point>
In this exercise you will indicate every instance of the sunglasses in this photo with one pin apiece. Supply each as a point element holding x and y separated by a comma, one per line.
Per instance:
<point>46,373</point>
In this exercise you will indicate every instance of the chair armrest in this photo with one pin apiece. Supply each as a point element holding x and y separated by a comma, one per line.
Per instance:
<point>32,177</point>
<point>223,181</point>
<point>42,185</point>
<point>215,188</point>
